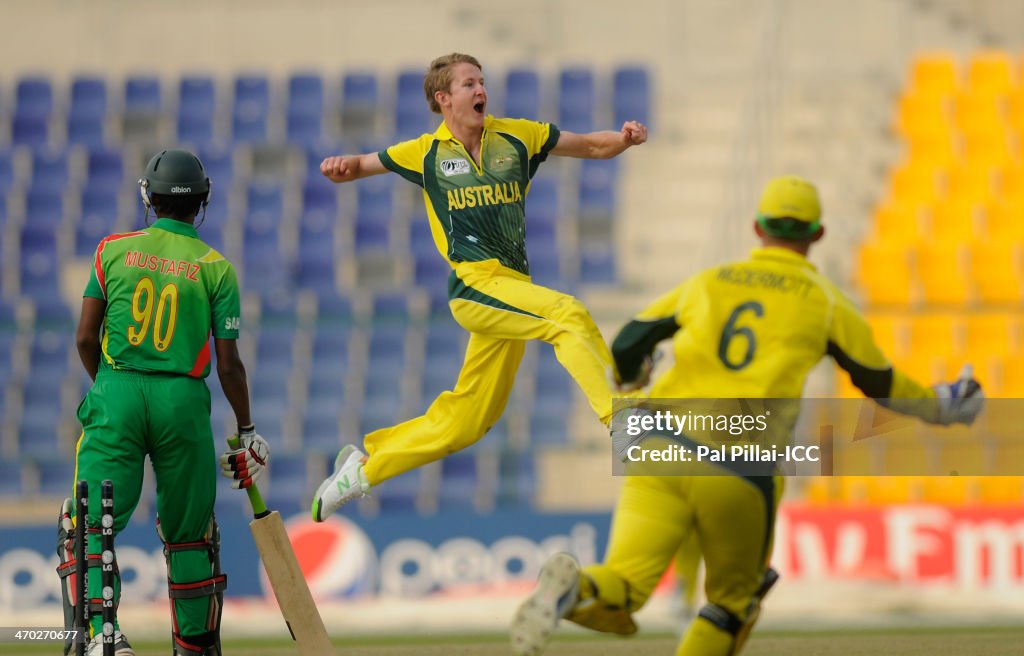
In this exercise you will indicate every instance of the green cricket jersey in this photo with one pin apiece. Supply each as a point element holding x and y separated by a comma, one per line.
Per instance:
<point>476,212</point>
<point>166,292</point>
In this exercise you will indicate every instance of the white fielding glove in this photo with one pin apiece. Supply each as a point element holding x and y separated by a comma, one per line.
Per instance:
<point>247,461</point>
<point>959,401</point>
<point>620,431</point>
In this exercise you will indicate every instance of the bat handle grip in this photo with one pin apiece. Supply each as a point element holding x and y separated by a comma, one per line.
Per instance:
<point>259,508</point>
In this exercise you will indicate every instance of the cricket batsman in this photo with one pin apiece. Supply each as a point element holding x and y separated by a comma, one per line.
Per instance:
<point>744,330</point>
<point>154,298</point>
<point>475,172</point>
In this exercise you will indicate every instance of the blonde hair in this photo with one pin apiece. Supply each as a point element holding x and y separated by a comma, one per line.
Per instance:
<point>439,76</point>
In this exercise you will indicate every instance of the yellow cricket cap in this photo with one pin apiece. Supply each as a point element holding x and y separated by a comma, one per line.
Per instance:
<point>789,208</point>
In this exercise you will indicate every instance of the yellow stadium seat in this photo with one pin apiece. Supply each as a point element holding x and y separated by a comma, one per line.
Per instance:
<point>887,490</point>
<point>938,334</point>
<point>897,223</point>
<point>884,274</point>
<point>974,111</point>
<point>1000,490</point>
<point>990,334</point>
<point>925,368</point>
<point>1015,109</point>
<point>996,271</point>
<point>923,113</point>
<point>934,73</point>
<point>1011,183</point>
<point>954,220</point>
<point>821,490</point>
<point>891,332</point>
<point>932,149</point>
<point>942,273</point>
<point>987,147</point>
<point>914,183</point>
<point>1004,219</point>
<point>991,72</point>
<point>950,490</point>
<point>1013,376</point>
<point>970,184</point>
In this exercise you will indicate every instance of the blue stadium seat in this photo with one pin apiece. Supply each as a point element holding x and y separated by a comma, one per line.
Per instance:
<point>212,233</point>
<point>598,264</point>
<point>320,426</point>
<point>33,96</point>
<point>97,220</point>
<point>197,96</point>
<point>6,174</point>
<point>56,475</point>
<point>545,264</point>
<point>522,94</point>
<point>518,479</point>
<point>390,308</point>
<point>306,92</point>
<point>7,338</point>
<point>250,109</point>
<point>439,375</point>
<point>142,94</point>
<point>49,169</point>
<point>333,309</point>
<point>264,199</point>
<point>219,163</point>
<point>52,313</point>
<point>374,210</point>
<point>39,269</point>
<point>401,494</point>
<point>319,196</point>
<point>542,210</point>
<point>576,100</point>
<point>305,112</point>
<point>247,128</point>
<point>549,429</point>
<point>317,272</point>
<point>412,116</point>
<point>631,98</point>
<point>88,97</point>
<point>287,482</point>
<point>105,168</point>
<point>12,478</point>
<point>430,271</point>
<point>195,130</point>
<point>44,206</point>
<point>30,130</point>
<point>279,310</point>
<point>49,358</point>
<point>275,348</point>
<point>460,481</point>
<point>597,190</point>
<point>360,102</point>
<point>447,341</point>
<point>86,130</point>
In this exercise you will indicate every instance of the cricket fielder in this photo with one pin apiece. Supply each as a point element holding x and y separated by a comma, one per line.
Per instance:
<point>154,298</point>
<point>747,329</point>
<point>475,171</point>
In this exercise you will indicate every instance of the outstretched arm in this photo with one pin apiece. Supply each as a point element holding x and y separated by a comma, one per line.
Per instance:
<point>600,145</point>
<point>346,168</point>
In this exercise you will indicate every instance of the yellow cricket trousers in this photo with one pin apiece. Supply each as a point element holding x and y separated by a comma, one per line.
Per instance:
<point>733,518</point>
<point>500,308</point>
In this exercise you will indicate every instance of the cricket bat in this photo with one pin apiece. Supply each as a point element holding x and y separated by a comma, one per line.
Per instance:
<point>290,589</point>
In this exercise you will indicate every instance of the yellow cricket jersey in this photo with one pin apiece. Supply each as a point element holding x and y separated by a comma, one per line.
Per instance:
<point>477,210</point>
<point>755,329</point>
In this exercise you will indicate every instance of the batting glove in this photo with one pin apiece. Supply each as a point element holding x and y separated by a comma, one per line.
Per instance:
<point>959,401</point>
<point>248,460</point>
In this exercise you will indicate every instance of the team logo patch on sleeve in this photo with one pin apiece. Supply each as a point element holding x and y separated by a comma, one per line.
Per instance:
<point>452,167</point>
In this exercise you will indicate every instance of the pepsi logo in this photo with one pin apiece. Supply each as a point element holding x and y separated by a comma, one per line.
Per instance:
<point>336,557</point>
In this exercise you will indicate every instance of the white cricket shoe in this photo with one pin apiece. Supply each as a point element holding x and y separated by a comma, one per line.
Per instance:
<point>555,595</point>
<point>348,482</point>
<point>121,646</point>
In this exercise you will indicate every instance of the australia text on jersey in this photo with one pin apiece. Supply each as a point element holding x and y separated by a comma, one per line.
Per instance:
<point>505,192</point>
